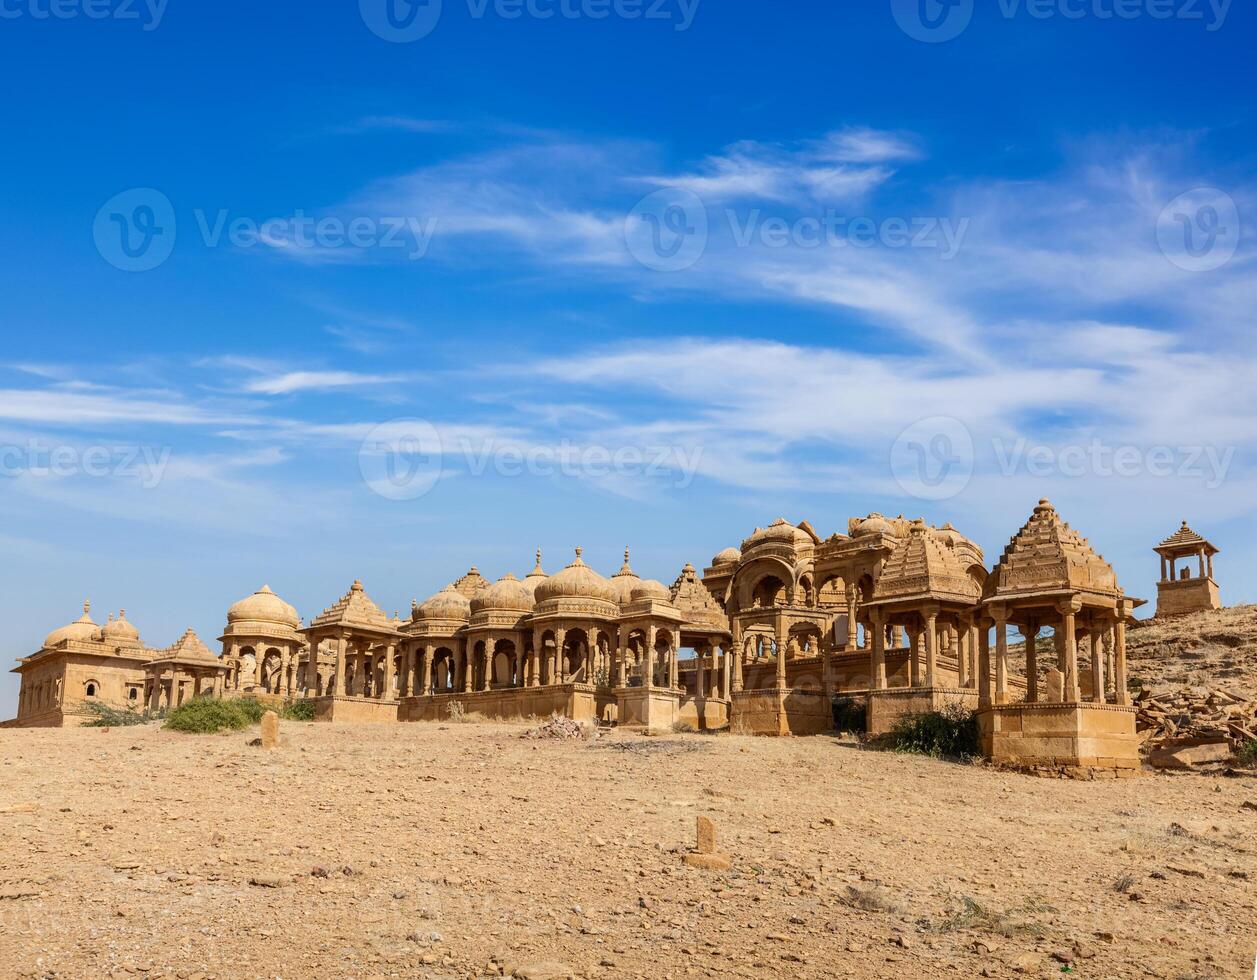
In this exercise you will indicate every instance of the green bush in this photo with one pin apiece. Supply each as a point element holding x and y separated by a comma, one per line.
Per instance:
<point>105,716</point>
<point>299,711</point>
<point>204,716</point>
<point>951,733</point>
<point>253,709</point>
<point>850,715</point>
<point>1247,754</point>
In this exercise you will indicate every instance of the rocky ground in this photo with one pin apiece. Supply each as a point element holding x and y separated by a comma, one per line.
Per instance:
<point>1214,649</point>
<point>430,850</point>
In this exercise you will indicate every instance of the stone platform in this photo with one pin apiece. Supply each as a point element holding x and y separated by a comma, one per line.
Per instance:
<point>783,711</point>
<point>1074,735</point>
<point>886,707</point>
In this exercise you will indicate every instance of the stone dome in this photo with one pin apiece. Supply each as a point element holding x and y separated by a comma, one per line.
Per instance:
<point>730,556</point>
<point>264,606</point>
<point>779,531</point>
<point>507,594</point>
<point>576,581</point>
<point>625,581</point>
<point>873,524</point>
<point>82,628</point>
<point>535,577</point>
<point>449,603</point>
<point>120,631</point>
<point>949,534</point>
<point>651,589</point>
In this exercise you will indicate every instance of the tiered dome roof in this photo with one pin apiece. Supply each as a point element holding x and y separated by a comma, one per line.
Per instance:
<point>82,629</point>
<point>576,581</point>
<point>507,594</point>
<point>927,566</point>
<point>1047,555</point>
<point>355,608</point>
<point>692,597</point>
<point>472,583</point>
<point>264,606</point>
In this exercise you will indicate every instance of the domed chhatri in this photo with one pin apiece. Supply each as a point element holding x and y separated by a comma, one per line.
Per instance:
<point>625,581</point>
<point>903,614</point>
<point>82,629</point>
<point>535,577</point>
<point>507,594</point>
<point>264,606</point>
<point>120,631</point>
<point>449,603</point>
<point>576,581</point>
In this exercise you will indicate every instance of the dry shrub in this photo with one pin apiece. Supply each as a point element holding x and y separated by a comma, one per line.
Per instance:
<point>871,897</point>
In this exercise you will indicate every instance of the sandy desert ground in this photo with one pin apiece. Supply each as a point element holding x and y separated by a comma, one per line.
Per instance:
<point>465,850</point>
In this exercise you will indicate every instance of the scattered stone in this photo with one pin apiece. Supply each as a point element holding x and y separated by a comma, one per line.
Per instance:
<point>268,881</point>
<point>545,971</point>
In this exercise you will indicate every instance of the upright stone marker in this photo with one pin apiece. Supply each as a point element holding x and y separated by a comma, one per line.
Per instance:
<point>270,730</point>
<point>705,856</point>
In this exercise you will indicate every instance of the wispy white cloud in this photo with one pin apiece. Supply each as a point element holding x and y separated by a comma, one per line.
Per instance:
<point>291,382</point>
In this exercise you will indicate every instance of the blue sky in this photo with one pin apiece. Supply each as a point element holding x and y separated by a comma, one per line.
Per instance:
<point>599,279</point>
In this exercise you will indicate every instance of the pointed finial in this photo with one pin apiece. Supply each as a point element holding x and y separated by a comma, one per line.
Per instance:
<point>626,554</point>
<point>578,553</point>
<point>87,606</point>
<point>357,586</point>
<point>122,614</point>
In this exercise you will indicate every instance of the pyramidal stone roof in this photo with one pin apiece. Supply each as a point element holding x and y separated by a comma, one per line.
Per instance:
<point>1047,555</point>
<point>928,565</point>
<point>188,648</point>
<point>694,600</point>
<point>354,608</point>
<point>1185,539</point>
<point>473,583</point>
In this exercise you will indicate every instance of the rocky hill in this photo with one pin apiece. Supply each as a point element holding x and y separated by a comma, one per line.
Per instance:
<point>1208,650</point>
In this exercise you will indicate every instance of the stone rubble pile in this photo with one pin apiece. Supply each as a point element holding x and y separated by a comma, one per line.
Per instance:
<point>1185,726</point>
<point>559,727</point>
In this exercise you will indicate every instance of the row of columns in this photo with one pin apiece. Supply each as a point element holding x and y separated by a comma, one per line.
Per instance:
<point>1169,566</point>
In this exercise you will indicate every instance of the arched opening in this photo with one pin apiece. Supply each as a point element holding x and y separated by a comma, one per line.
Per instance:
<point>769,591</point>
<point>91,689</point>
